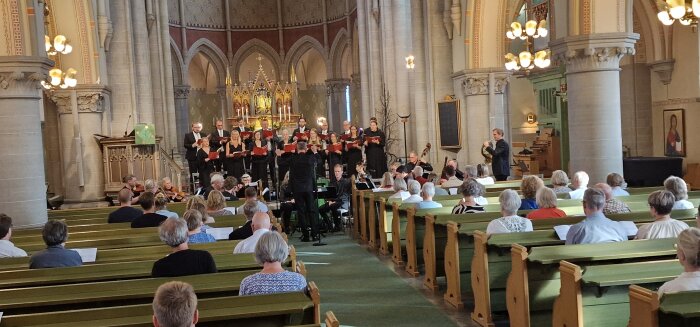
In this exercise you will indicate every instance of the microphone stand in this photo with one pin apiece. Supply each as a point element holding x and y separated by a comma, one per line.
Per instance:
<point>318,229</point>
<point>404,119</point>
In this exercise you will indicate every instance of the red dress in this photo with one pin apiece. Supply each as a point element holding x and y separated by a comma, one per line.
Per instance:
<point>545,213</point>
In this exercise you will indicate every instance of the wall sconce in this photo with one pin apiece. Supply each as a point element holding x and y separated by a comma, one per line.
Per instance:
<point>531,118</point>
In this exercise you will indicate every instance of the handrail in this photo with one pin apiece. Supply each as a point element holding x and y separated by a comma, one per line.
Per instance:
<point>170,168</point>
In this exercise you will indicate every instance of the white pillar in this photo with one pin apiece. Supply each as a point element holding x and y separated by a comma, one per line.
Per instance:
<point>363,58</point>
<point>593,76</point>
<point>23,177</point>
<point>142,65</point>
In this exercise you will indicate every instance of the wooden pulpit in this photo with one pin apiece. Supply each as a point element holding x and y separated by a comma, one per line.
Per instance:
<point>122,156</point>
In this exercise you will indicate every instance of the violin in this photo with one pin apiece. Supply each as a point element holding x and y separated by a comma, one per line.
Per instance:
<point>139,188</point>
<point>174,195</point>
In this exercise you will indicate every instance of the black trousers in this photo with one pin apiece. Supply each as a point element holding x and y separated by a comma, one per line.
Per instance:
<point>307,212</point>
<point>333,208</point>
<point>501,177</point>
<point>286,209</point>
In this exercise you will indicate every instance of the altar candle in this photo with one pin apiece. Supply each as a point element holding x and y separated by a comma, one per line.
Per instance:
<point>289,112</point>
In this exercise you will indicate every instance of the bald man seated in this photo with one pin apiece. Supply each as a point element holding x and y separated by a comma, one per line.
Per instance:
<point>260,225</point>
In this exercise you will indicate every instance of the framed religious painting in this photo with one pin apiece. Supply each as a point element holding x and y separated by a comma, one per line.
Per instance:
<point>674,133</point>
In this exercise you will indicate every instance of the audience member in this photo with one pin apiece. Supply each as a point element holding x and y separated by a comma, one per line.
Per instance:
<point>175,305</point>
<point>679,189</point>
<point>230,188</point>
<point>260,225</point>
<point>482,171</point>
<point>688,252</point>
<point>216,205</point>
<point>470,172</point>
<point>400,188</point>
<point>250,207</point>
<point>161,209</point>
<point>595,228</point>
<point>579,184</point>
<point>660,206</point>
<point>452,180</point>
<point>617,182</point>
<point>271,251</point>
<point>387,181</point>
<point>149,218</point>
<point>427,192</point>
<point>435,179</point>
<point>401,172</point>
<point>182,261</point>
<point>251,194</point>
<point>414,190</point>
<point>560,182</point>
<point>7,249</point>
<point>529,187</point>
<point>510,222</point>
<point>217,184</point>
<point>547,204</point>
<point>469,189</point>
<point>454,165</point>
<point>195,234</point>
<point>55,235</point>
<point>126,213</point>
<point>418,175</point>
<point>612,205</point>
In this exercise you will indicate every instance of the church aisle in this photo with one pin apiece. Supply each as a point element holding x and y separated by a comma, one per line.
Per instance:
<point>364,291</point>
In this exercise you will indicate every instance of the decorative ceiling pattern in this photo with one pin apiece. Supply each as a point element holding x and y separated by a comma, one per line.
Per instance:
<point>297,13</point>
<point>253,14</point>
<point>205,13</point>
<point>174,11</point>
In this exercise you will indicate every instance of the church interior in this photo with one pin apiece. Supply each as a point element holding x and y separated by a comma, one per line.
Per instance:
<point>103,92</point>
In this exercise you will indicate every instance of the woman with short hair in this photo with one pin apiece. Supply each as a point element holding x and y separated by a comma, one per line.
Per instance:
<point>616,182</point>
<point>401,189</point>
<point>679,189</point>
<point>510,222</point>
<point>547,204</point>
<point>688,251</point>
<point>560,182</point>
<point>270,252</point>
<point>660,206</point>
<point>216,205</point>
<point>529,187</point>
<point>470,189</point>
<point>55,235</point>
<point>195,234</point>
<point>161,209</point>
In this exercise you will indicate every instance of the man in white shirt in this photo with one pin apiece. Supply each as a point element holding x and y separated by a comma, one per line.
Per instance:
<point>579,184</point>
<point>251,194</point>
<point>7,249</point>
<point>414,189</point>
<point>260,225</point>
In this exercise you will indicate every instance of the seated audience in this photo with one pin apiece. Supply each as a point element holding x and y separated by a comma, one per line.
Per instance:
<point>560,182</point>
<point>452,180</point>
<point>260,225</point>
<point>245,231</point>
<point>617,182</point>
<point>688,252</point>
<point>595,228</point>
<point>195,234</point>
<point>271,251</point>
<point>414,190</point>
<point>175,305</point>
<point>161,209</point>
<point>579,184</point>
<point>435,179</point>
<point>510,222</point>
<point>470,172</point>
<point>428,191</point>
<point>469,189</point>
<point>230,188</point>
<point>7,249</point>
<point>387,181</point>
<point>679,189</point>
<point>454,165</point>
<point>198,203</point>
<point>660,206</point>
<point>182,261</point>
<point>401,172</point>
<point>400,188</point>
<point>216,205</point>
<point>55,235</point>
<point>418,175</point>
<point>612,205</point>
<point>529,187</point>
<point>482,171</point>
<point>149,218</point>
<point>126,213</point>
<point>547,204</point>
<point>251,194</point>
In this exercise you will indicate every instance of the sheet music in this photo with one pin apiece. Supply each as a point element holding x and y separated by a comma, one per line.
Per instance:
<point>561,231</point>
<point>220,233</point>
<point>87,254</point>
<point>629,227</point>
<point>231,209</point>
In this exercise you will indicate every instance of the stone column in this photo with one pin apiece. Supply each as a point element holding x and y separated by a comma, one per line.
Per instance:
<point>23,177</point>
<point>81,154</point>
<point>142,64</point>
<point>182,114</point>
<point>593,76</point>
<point>337,105</point>
<point>362,28</point>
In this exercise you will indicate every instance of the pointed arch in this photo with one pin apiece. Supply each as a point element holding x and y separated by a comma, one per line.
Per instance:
<point>300,47</point>
<point>250,47</point>
<point>655,37</point>
<point>211,51</point>
<point>179,77</point>
<point>340,44</point>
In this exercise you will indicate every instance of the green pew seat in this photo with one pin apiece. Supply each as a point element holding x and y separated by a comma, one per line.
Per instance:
<point>675,309</point>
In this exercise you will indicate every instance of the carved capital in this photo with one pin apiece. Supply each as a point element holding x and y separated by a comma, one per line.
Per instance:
<point>90,99</point>
<point>20,76</point>
<point>595,52</point>
<point>478,84</point>
<point>664,69</point>
<point>182,92</point>
<point>336,85</point>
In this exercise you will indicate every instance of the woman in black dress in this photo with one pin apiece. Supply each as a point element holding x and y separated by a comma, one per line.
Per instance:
<point>259,167</point>
<point>234,166</point>
<point>282,157</point>
<point>353,151</point>
<point>374,150</point>
<point>334,157</point>
<point>317,147</point>
<point>206,166</point>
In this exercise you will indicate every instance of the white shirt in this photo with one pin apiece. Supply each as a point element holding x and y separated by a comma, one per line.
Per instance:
<point>687,281</point>
<point>665,228</point>
<point>221,132</point>
<point>577,194</point>
<point>486,180</point>
<point>7,249</point>
<point>415,198</point>
<point>248,245</point>
<point>196,136</point>
<point>403,195</point>
<point>510,224</point>
<point>480,200</point>
<point>618,191</point>
<point>452,182</point>
<point>683,204</point>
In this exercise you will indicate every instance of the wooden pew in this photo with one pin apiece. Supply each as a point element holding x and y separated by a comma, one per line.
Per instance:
<point>676,309</point>
<point>533,282</point>
<point>598,295</point>
<point>270,310</point>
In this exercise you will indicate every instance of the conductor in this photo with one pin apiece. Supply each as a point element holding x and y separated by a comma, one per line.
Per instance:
<point>302,181</point>
<point>501,168</point>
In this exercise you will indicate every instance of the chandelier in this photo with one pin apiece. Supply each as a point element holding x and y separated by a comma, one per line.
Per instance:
<point>532,29</point>
<point>58,78</point>
<point>60,45</point>
<point>528,59</point>
<point>684,11</point>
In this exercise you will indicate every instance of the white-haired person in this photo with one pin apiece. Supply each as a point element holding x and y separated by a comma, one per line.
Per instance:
<point>483,177</point>
<point>400,188</point>
<point>688,251</point>
<point>175,305</point>
<point>595,228</point>
<point>414,189</point>
<point>510,222</point>
<point>547,205</point>
<point>271,251</point>
<point>679,189</point>
<point>195,233</point>
<point>261,225</point>
<point>560,182</point>
<point>660,206</point>
<point>417,173</point>
<point>387,181</point>
<point>470,189</point>
<point>183,261</point>
<point>612,204</point>
<point>579,184</point>
<point>617,182</point>
<point>428,192</point>
<point>470,171</point>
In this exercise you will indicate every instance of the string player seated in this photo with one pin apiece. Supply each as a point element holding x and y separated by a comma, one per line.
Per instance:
<point>341,200</point>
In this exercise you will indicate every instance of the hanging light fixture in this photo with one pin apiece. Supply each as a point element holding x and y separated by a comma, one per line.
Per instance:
<point>532,29</point>
<point>58,79</point>
<point>528,59</point>
<point>685,12</point>
<point>60,45</point>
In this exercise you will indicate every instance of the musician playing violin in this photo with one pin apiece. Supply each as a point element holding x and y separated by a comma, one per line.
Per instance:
<point>131,184</point>
<point>170,191</point>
